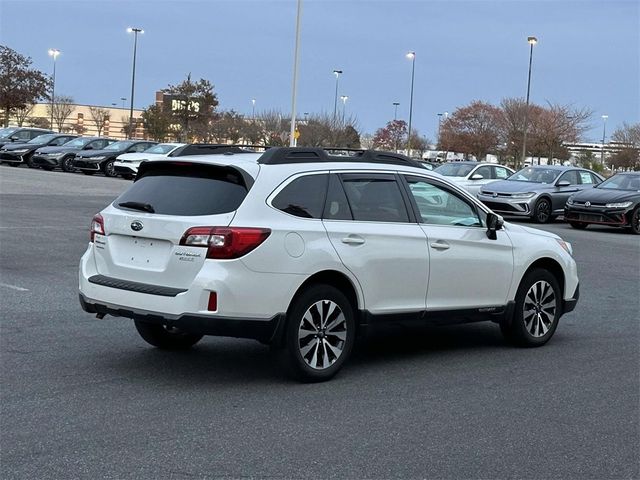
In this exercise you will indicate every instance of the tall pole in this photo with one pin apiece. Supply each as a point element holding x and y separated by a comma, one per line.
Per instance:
<point>135,32</point>
<point>124,99</point>
<point>253,109</point>
<point>337,73</point>
<point>292,139</point>
<point>395,111</point>
<point>532,41</point>
<point>344,99</point>
<point>604,133</point>
<point>439,125</point>
<point>412,56</point>
<point>53,52</point>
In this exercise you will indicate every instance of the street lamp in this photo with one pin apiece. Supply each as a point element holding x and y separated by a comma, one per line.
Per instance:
<point>135,32</point>
<point>604,132</point>
<point>532,41</point>
<point>53,52</point>
<point>124,99</point>
<point>293,141</point>
<point>337,73</point>
<point>411,56</point>
<point>253,109</point>
<point>344,99</point>
<point>395,111</point>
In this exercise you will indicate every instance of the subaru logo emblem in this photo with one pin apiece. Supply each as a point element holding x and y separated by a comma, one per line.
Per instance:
<point>587,204</point>
<point>136,226</point>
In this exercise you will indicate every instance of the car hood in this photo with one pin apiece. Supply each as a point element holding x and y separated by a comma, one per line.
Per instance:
<point>605,195</point>
<point>60,149</point>
<point>513,186</point>
<point>140,156</point>
<point>529,230</point>
<point>99,153</point>
<point>17,146</point>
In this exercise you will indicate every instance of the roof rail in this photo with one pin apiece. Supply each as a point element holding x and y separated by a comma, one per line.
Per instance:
<point>288,155</point>
<point>213,148</point>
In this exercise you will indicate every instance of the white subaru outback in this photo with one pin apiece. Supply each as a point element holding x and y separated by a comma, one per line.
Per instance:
<point>305,250</point>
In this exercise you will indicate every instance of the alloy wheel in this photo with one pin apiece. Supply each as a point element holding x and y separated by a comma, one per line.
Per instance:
<point>539,309</point>
<point>322,334</point>
<point>543,211</point>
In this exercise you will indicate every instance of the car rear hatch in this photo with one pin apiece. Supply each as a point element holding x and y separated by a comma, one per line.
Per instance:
<point>144,226</point>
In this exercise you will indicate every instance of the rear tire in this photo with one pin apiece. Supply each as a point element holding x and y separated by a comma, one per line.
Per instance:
<point>579,225</point>
<point>319,334</point>
<point>166,338</point>
<point>537,310</point>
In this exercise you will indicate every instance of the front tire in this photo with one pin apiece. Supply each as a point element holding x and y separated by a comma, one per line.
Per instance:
<point>579,225</point>
<point>108,169</point>
<point>537,310</point>
<point>635,220</point>
<point>67,164</point>
<point>319,334</point>
<point>166,338</point>
<point>542,211</point>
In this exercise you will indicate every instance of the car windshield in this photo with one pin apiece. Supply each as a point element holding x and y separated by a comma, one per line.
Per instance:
<point>6,132</point>
<point>535,175</point>
<point>119,146</point>
<point>160,148</point>
<point>42,139</point>
<point>454,169</point>
<point>622,182</point>
<point>78,142</point>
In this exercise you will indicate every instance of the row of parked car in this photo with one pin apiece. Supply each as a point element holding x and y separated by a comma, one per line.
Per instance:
<point>541,193</point>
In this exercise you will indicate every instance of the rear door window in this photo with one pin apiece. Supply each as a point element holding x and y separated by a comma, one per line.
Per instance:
<point>303,197</point>
<point>571,176</point>
<point>485,171</point>
<point>585,178</point>
<point>337,206</point>
<point>501,172</point>
<point>187,190</point>
<point>375,198</point>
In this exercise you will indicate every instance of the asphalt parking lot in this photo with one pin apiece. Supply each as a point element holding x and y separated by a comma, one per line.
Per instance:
<point>87,398</point>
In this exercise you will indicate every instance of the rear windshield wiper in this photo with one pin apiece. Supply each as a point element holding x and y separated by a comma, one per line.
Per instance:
<point>145,207</point>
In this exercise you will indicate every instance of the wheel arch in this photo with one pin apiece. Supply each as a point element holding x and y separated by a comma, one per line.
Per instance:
<point>550,265</point>
<point>336,279</point>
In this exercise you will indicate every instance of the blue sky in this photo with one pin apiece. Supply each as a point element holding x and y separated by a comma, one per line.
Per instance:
<point>588,53</point>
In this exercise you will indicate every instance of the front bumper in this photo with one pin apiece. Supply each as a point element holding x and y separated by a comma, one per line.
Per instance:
<point>46,160</point>
<point>504,205</point>
<point>87,164</point>
<point>618,217</point>
<point>11,157</point>
<point>267,331</point>
<point>124,169</point>
<point>568,305</point>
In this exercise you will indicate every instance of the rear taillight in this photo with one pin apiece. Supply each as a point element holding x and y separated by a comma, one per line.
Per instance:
<point>97,226</point>
<point>225,242</point>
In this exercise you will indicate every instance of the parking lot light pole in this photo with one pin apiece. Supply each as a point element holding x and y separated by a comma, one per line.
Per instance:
<point>604,133</point>
<point>124,99</point>
<point>344,99</point>
<point>253,109</point>
<point>53,52</point>
<point>135,32</point>
<point>532,41</point>
<point>411,56</point>
<point>294,89</point>
<point>337,73</point>
<point>395,111</point>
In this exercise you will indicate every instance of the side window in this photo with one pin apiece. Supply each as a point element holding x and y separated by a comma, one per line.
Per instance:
<point>60,141</point>
<point>303,197</point>
<point>485,171</point>
<point>336,206</point>
<point>585,177</point>
<point>98,144</point>
<point>571,176</point>
<point>439,206</point>
<point>27,135</point>
<point>501,172</point>
<point>595,179</point>
<point>375,198</point>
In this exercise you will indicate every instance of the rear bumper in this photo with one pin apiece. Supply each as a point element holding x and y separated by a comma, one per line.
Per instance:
<point>267,330</point>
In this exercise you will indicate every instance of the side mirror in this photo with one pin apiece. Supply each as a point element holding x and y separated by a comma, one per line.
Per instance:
<point>476,176</point>
<point>494,223</point>
<point>563,183</point>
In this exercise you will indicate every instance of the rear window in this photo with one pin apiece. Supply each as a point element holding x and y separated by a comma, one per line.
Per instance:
<point>187,190</point>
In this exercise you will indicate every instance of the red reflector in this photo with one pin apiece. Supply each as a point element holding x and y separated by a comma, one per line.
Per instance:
<point>212,306</point>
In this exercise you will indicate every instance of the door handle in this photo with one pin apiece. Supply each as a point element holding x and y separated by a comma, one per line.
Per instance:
<point>440,245</point>
<point>353,240</point>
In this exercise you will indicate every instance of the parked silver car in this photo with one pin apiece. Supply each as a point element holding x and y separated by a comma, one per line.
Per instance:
<point>473,175</point>
<point>537,192</point>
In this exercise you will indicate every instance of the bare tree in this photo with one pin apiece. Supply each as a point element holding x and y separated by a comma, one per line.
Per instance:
<point>557,125</point>
<point>21,113</point>
<point>100,117</point>
<point>627,140</point>
<point>62,109</point>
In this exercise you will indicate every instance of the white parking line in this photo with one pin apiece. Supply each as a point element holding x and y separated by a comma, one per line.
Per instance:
<point>14,287</point>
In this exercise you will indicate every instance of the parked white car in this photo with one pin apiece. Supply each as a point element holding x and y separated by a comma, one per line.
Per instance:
<point>127,164</point>
<point>473,175</point>
<point>304,250</point>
